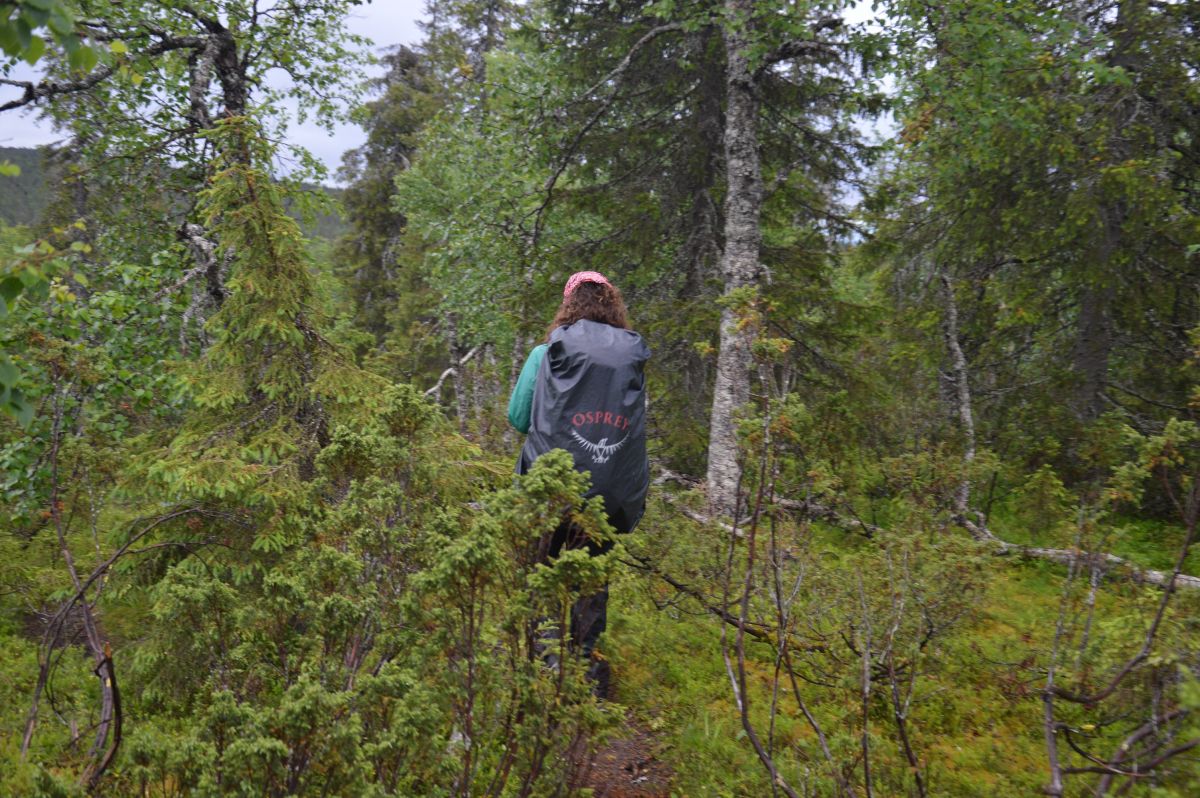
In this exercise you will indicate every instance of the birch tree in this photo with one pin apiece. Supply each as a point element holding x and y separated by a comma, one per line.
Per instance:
<point>757,39</point>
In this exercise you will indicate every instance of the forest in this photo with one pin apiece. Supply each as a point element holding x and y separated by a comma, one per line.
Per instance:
<point>921,284</point>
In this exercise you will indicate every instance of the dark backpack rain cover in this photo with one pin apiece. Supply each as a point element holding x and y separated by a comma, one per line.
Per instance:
<point>590,399</point>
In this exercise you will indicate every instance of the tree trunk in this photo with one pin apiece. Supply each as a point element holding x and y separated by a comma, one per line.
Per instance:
<point>962,395</point>
<point>1090,354</point>
<point>739,260</point>
<point>1095,333</point>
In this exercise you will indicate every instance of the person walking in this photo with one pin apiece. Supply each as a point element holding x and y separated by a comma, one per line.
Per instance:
<point>583,390</point>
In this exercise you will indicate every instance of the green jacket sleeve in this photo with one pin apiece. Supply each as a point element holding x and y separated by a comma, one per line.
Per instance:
<point>521,402</point>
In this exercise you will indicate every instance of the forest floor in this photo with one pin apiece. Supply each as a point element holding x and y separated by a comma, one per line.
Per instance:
<point>628,767</point>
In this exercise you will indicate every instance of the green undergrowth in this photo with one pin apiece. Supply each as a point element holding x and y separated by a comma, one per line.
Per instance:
<point>976,716</point>
<point>975,720</point>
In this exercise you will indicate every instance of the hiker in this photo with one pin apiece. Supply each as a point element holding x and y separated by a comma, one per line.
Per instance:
<point>583,390</point>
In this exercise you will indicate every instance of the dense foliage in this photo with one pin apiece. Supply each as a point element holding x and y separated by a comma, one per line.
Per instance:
<point>923,413</point>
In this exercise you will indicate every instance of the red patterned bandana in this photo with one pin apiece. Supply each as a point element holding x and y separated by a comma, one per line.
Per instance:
<point>583,277</point>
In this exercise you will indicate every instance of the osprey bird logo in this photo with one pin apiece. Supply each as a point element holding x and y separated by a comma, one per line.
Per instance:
<point>600,451</point>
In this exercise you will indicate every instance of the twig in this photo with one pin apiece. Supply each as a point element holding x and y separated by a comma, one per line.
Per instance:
<point>437,386</point>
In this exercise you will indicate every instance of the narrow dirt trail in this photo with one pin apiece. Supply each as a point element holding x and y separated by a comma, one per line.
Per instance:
<point>627,767</point>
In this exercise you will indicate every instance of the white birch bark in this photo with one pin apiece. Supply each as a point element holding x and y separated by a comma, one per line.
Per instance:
<point>739,261</point>
<point>962,392</point>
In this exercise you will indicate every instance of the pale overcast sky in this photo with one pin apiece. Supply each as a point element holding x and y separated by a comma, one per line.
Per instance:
<point>385,22</point>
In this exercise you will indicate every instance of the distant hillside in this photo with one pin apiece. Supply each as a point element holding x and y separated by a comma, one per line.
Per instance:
<point>23,198</point>
<point>326,225</point>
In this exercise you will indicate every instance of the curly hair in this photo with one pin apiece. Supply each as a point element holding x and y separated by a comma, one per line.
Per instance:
<point>592,301</point>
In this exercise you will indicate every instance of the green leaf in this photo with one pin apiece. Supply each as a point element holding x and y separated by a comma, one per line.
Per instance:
<point>118,47</point>
<point>37,46</point>
<point>41,5</point>
<point>8,372</point>
<point>10,288</point>
<point>36,17</point>
<point>61,23</point>
<point>30,277</point>
<point>24,33</point>
<point>23,409</point>
<point>9,41</point>
<point>83,59</point>
<point>9,169</point>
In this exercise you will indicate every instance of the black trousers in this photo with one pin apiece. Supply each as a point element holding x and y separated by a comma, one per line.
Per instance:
<point>589,614</point>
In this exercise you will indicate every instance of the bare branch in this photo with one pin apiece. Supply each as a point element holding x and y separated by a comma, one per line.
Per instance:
<point>701,518</point>
<point>49,89</point>
<point>437,386</point>
<point>797,48</point>
<point>755,630</point>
